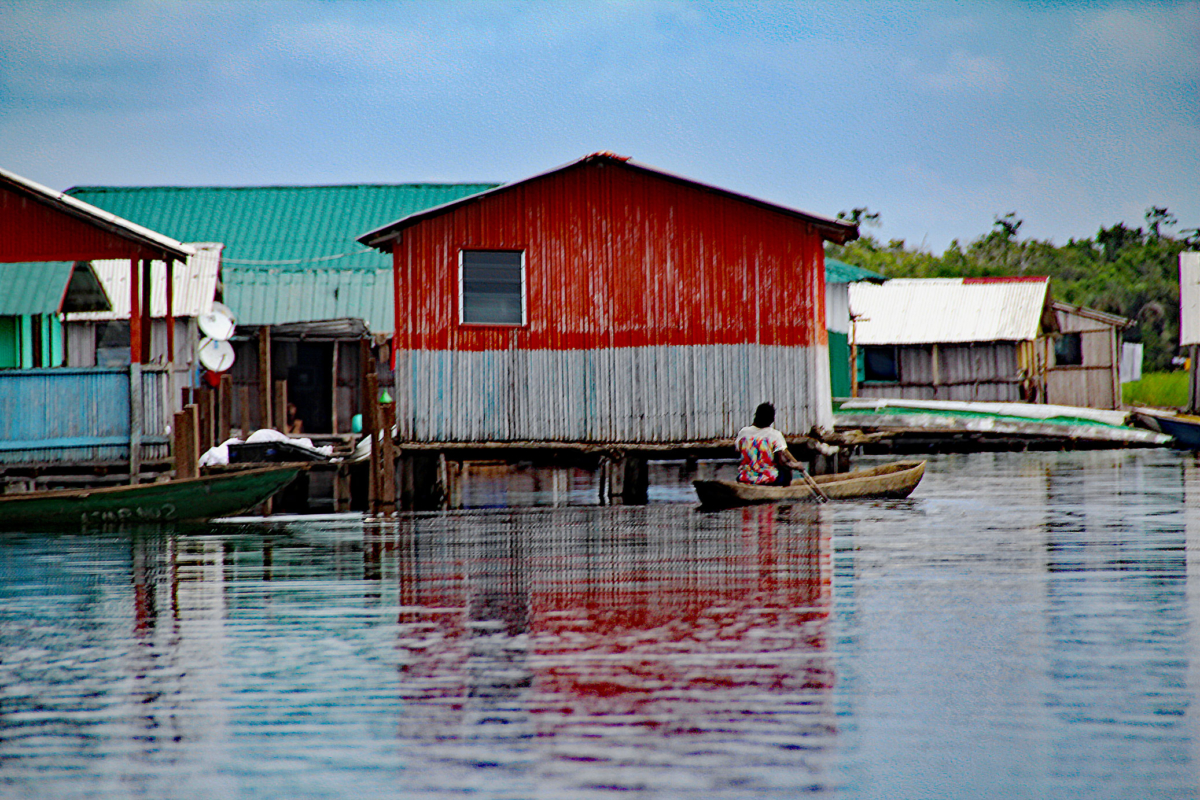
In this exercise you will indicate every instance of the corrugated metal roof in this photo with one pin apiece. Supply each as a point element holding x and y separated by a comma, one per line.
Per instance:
<point>34,288</point>
<point>281,228</point>
<point>836,230</point>
<point>48,287</point>
<point>97,216</point>
<point>1096,315</point>
<point>275,297</point>
<point>841,272</point>
<point>945,310</point>
<point>195,285</point>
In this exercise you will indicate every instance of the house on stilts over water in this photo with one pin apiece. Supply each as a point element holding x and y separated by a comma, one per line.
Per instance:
<point>605,302</point>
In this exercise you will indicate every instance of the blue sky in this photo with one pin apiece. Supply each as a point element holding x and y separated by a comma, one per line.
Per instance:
<point>939,116</point>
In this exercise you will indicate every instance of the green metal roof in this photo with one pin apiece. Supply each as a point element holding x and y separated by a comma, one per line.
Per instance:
<point>277,297</point>
<point>841,272</point>
<point>290,251</point>
<point>277,227</point>
<point>48,287</point>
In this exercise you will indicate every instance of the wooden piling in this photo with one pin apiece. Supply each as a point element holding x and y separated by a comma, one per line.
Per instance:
<point>224,408</point>
<point>280,405</point>
<point>370,414</point>
<point>184,445</point>
<point>387,459</point>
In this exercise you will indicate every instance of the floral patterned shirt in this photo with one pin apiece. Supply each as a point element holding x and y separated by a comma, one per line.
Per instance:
<point>758,447</point>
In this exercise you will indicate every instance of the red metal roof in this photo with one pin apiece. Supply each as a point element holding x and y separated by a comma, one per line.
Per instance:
<point>40,224</point>
<point>835,230</point>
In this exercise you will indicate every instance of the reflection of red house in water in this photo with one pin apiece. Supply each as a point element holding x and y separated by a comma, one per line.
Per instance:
<point>623,619</point>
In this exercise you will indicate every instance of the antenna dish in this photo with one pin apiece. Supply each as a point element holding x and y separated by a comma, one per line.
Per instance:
<point>217,324</point>
<point>216,354</point>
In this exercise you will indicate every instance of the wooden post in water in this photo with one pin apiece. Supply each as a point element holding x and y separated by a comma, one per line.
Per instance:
<point>635,480</point>
<point>387,459</point>
<point>370,417</point>
<point>264,376</point>
<point>245,422</point>
<point>186,445</point>
<point>204,431</point>
<point>225,408</point>
<point>280,405</point>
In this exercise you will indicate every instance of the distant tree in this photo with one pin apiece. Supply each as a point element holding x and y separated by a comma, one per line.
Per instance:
<point>1008,225</point>
<point>1156,218</point>
<point>861,216</point>
<point>1117,238</point>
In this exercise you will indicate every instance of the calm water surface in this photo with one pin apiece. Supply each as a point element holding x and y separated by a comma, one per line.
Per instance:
<point>1025,626</point>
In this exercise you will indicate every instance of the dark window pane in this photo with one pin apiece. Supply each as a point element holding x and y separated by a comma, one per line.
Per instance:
<point>491,287</point>
<point>1068,350</point>
<point>880,364</point>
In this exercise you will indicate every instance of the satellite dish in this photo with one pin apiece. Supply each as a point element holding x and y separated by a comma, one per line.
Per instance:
<point>217,324</point>
<point>215,354</point>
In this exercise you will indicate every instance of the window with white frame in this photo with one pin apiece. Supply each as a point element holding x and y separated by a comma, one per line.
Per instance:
<point>492,287</point>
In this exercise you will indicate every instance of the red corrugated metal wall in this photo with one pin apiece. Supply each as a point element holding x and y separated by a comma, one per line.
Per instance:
<point>617,257</point>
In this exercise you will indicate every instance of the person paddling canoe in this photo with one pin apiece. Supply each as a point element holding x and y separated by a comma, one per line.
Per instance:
<point>765,456</point>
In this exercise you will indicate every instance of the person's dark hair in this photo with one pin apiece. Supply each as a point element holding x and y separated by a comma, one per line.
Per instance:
<point>764,415</point>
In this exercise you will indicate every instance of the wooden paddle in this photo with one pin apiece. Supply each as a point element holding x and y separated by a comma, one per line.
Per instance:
<point>812,484</point>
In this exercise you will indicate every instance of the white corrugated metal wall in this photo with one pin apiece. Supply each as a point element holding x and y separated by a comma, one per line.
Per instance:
<point>619,395</point>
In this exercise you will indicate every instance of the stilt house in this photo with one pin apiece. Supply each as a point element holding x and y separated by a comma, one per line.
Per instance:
<point>605,301</point>
<point>60,415</point>
<point>988,339</point>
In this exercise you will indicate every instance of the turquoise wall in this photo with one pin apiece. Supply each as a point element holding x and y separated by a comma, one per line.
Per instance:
<point>839,364</point>
<point>16,341</point>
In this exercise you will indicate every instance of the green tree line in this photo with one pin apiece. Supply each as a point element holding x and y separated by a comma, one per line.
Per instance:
<point>1133,272</point>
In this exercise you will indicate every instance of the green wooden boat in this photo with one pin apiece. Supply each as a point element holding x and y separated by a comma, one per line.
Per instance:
<point>185,500</point>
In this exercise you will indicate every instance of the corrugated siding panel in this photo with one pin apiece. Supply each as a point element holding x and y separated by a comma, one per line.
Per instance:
<point>929,310</point>
<point>1189,298</point>
<point>33,288</point>
<point>311,226</point>
<point>1076,386</point>
<point>630,395</point>
<point>268,297</point>
<point>195,285</point>
<point>975,372</point>
<point>78,415</point>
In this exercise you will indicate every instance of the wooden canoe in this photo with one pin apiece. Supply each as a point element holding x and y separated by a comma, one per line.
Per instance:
<point>895,480</point>
<point>186,500</point>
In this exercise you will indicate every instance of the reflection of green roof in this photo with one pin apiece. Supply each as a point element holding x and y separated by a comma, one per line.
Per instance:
<point>48,287</point>
<point>290,251</point>
<point>841,272</point>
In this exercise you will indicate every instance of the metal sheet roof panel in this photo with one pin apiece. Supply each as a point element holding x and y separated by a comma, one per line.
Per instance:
<point>275,297</point>
<point>948,310</point>
<point>96,216</point>
<point>195,285</point>
<point>383,236</point>
<point>841,272</point>
<point>33,288</point>
<point>281,228</point>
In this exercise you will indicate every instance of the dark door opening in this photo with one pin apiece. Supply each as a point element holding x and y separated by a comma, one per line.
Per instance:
<point>310,386</point>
